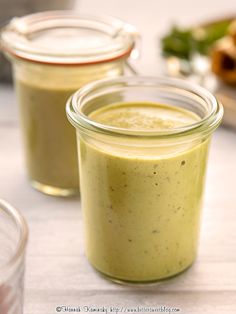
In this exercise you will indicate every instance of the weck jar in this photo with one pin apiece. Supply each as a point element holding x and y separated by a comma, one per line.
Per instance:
<point>54,53</point>
<point>143,144</point>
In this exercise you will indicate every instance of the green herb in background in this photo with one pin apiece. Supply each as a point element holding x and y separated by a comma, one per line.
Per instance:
<point>183,43</point>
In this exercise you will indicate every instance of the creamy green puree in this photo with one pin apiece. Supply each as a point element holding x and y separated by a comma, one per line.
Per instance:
<point>50,139</point>
<point>141,211</point>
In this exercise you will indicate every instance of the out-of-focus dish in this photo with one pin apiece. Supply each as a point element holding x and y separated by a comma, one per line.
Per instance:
<point>206,54</point>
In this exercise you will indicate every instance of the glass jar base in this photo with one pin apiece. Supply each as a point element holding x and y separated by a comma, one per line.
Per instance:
<point>54,191</point>
<point>140,283</point>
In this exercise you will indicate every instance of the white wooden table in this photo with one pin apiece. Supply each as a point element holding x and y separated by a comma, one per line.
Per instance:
<point>57,272</point>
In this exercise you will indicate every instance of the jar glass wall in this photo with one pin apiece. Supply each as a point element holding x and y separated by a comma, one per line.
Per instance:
<point>13,240</point>
<point>142,177</point>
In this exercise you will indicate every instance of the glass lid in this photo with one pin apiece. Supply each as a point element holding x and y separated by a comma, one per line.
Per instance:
<point>65,37</point>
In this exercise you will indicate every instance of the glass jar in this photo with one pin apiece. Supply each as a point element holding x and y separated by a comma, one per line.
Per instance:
<point>53,54</point>
<point>141,188</point>
<point>13,240</point>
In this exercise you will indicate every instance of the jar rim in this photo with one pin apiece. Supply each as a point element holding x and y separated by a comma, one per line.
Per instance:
<point>21,224</point>
<point>68,38</point>
<point>206,125</point>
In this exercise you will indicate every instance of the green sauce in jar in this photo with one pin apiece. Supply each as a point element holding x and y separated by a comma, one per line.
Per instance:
<point>53,54</point>
<point>141,211</point>
<point>50,140</point>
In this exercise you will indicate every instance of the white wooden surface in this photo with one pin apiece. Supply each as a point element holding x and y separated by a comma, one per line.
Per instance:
<point>57,272</point>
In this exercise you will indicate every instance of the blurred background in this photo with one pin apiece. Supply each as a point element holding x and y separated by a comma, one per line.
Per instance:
<point>176,38</point>
<point>153,19</point>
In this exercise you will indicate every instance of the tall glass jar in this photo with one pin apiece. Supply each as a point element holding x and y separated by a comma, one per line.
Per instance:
<point>143,145</point>
<point>53,54</point>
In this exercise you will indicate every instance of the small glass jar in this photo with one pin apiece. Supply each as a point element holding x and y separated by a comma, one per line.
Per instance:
<point>141,189</point>
<point>53,54</point>
<point>13,240</point>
